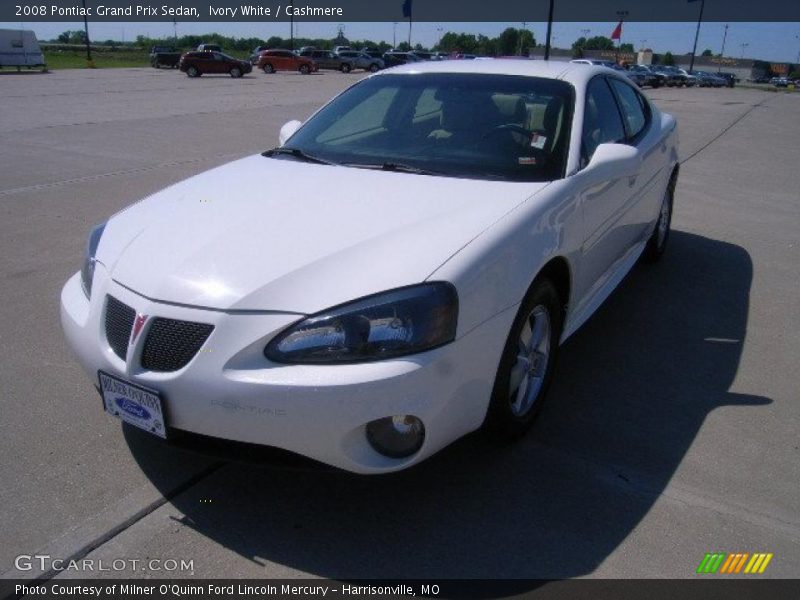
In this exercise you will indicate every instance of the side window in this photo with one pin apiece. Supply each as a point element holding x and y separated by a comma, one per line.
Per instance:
<point>633,107</point>
<point>601,120</point>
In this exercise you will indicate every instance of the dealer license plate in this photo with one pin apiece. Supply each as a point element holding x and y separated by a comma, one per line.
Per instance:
<point>141,407</point>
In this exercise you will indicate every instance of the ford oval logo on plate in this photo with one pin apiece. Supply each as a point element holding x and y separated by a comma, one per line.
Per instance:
<point>132,408</point>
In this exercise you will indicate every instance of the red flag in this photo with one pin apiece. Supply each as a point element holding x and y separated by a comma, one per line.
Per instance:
<point>617,32</point>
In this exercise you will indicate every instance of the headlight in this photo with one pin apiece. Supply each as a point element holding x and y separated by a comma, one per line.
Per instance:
<point>386,325</point>
<point>87,271</point>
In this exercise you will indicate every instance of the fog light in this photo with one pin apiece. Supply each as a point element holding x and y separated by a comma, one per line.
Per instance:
<point>396,437</point>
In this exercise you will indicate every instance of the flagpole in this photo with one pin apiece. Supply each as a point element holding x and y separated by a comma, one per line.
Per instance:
<point>697,34</point>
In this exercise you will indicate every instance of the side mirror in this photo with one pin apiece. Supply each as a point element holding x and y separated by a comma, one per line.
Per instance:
<point>288,131</point>
<point>615,160</point>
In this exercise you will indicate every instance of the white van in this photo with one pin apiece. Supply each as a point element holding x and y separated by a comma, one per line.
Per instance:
<point>20,48</point>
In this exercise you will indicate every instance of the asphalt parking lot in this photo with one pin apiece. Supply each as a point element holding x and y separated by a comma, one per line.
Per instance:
<point>671,430</point>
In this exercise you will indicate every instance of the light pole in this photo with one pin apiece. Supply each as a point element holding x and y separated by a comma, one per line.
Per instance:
<point>89,61</point>
<point>743,45</point>
<point>394,36</point>
<point>724,37</point>
<point>797,37</point>
<point>697,34</point>
<point>549,30</point>
<point>291,25</point>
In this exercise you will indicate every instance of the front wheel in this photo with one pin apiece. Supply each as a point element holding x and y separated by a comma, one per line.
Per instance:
<point>193,72</point>
<point>527,364</point>
<point>305,69</point>
<point>346,68</point>
<point>657,243</point>
<point>373,68</point>
<point>236,72</point>
<point>268,68</point>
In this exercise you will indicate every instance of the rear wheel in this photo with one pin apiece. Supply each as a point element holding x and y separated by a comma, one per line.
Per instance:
<point>268,68</point>
<point>236,72</point>
<point>657,243</point>
<point>373,68</point>
<point>346,68</point>
<point>527,364</point>
<point>193,72</point>
<point>305,69</point>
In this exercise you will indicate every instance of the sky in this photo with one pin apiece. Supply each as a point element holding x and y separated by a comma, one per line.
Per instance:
<point>778,42</point>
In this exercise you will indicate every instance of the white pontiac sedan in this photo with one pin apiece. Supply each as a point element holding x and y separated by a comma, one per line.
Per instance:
<point>399,272</point>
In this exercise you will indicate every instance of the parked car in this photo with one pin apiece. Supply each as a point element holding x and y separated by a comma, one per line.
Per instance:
<point>706,79</point>
<point>649,77</point>
<point>362,60</point>
<point>673,77</point>
<point>689,79</point>
<point>393,59</point>
<point>373,52</point>
<point>436,265</point>
<point>195,64</point>
<point>328,60</point>
<point>209,48</point>
<point>424,55</point>
<point>730,78</point>
<point>164,56</point>
<point>273,60</point>
<point>256,53</point>
<point>780,81</point>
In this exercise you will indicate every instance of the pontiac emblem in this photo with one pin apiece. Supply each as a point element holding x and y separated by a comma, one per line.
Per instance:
<point>137,327</point>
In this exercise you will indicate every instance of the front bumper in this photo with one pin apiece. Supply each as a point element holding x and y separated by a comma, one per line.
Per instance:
<point>230,390</point>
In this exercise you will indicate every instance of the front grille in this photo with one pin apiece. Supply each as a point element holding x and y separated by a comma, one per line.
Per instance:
<point>171,344</point>
<point>119,321</point>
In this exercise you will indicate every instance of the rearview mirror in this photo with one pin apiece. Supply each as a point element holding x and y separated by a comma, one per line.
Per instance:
<point>288,131</point>
<point>615,160</point>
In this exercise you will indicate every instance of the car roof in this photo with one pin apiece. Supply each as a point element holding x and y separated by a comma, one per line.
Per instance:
<point>575,73</point>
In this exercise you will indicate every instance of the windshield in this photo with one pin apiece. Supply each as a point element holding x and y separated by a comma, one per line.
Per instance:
<point>462,125</point>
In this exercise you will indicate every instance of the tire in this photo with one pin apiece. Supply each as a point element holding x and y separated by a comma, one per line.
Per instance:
<point>268,68</point>
<point>373,68</point>
<point>657,243</point>
<point>527,364</point>
<point>236,72</point>
<point>305,69</point>
<point>346,68</point>
<point>193,72</point>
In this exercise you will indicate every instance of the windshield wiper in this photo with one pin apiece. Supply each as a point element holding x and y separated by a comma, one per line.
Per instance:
<point>391,166</point>
<point>297,153</point>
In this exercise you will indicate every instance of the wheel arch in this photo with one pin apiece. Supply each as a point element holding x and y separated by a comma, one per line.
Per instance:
<point>558,271</point>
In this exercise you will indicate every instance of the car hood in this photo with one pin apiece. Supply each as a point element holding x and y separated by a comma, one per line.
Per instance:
<point>280,235</point>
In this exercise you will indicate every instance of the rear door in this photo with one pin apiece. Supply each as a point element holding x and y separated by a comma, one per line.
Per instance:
<point>283,61</point>
<point>218,63</point>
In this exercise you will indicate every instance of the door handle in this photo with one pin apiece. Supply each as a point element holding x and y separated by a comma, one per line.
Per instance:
<point>631,180</point>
